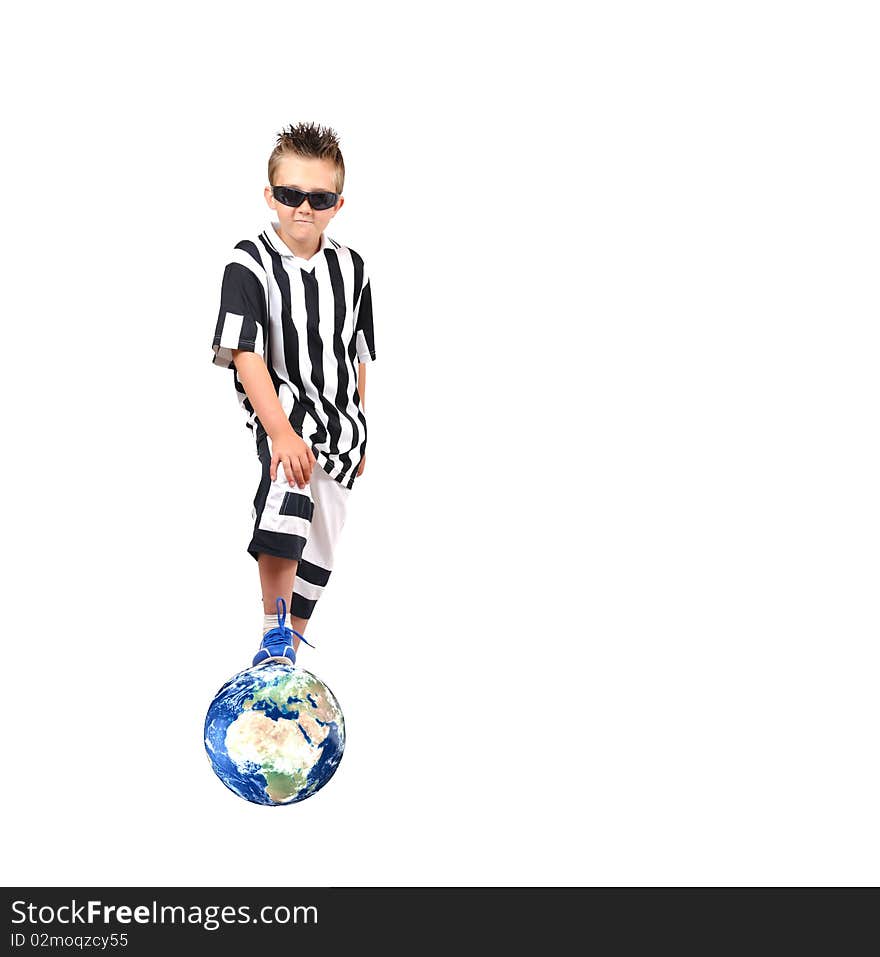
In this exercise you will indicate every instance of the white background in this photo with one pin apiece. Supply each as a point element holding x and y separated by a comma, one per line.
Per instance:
<point>605,608</point>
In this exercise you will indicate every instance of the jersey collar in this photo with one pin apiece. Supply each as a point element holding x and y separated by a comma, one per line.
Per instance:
<point>278,243</point>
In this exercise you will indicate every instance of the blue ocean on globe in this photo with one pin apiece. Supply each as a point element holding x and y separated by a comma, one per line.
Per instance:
<point>274,734</point>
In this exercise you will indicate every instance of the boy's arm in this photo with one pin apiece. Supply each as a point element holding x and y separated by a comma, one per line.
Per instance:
<point>258,386</point>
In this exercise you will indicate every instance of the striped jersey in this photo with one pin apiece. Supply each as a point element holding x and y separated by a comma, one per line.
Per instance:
<point>312,322</point>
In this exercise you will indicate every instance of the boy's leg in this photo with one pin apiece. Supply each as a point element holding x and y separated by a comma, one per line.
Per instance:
<point>282,518</point>
<point>298,624</point>
<point>316,562</point>
<point>277,576</point>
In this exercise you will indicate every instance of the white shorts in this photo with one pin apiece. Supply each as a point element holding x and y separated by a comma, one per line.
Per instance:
<point>301,524</point>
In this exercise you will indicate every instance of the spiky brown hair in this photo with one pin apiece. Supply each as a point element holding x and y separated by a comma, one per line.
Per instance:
<point>308,140</point>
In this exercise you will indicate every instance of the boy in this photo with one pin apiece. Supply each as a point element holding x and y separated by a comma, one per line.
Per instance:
<point>296,326</point>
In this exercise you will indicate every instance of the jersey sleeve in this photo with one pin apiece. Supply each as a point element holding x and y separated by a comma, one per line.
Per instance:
<point>365,338</point>
<point>242,322</point>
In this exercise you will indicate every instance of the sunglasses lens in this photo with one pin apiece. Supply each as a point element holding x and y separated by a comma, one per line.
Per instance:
<point>322,200</point>
<point>288,196</point>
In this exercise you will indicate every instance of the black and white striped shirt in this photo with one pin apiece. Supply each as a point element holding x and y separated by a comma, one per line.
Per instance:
<point>312,321</point>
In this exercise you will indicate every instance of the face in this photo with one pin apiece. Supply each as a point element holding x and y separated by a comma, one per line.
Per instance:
<point>301,225</point>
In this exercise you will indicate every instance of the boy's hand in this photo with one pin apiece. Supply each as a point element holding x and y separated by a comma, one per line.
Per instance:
<point>295,456</point>
<point>363,463</point>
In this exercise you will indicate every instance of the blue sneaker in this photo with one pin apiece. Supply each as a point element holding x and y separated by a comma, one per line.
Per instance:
<point>277,643</point>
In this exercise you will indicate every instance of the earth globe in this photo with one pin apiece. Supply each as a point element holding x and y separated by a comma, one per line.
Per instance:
<point>274,733</point>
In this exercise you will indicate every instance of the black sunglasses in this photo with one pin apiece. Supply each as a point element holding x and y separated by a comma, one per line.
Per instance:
<point>291,196</point>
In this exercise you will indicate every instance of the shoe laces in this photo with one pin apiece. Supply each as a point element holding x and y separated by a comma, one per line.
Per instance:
<point>282,632</point>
